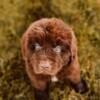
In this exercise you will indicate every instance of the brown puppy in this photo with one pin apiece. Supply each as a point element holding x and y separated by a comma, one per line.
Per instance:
<point>49,49</point>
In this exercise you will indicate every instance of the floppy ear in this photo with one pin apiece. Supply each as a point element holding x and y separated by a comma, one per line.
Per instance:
<point>73,47</point>
<point>27,36</point>
<point>24,42</point>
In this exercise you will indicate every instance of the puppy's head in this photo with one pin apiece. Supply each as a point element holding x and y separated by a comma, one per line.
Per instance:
<point>46,46</point>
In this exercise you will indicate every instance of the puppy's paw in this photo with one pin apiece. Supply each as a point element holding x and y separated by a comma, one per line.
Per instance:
<point>41,95</point>
<point>81,87</point>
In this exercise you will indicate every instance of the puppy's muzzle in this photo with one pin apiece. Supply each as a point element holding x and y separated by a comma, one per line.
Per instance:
<point>45,65</point>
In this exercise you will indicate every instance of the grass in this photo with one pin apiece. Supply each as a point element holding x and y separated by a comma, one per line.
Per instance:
<point>15,16</point>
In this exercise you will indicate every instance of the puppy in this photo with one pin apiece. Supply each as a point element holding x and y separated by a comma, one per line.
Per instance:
<point>49,48</point>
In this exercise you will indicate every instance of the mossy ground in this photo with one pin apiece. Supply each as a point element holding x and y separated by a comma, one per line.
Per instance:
<point>16,15</point>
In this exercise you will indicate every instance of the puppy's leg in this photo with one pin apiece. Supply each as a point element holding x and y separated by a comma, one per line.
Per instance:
<point>41,94</point>
<point>73,75</point>
<point>41,91</point>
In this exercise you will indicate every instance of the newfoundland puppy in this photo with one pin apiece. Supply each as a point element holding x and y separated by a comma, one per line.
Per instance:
<point>49,48</point>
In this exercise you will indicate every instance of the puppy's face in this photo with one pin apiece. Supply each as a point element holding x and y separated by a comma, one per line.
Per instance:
<point>46,46</point>
<point>49,55</point>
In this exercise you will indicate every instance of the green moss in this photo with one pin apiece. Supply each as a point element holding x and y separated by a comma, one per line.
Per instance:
<point>16,15</point>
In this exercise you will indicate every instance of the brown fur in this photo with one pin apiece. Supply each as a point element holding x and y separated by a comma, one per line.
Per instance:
<point>49,33</point>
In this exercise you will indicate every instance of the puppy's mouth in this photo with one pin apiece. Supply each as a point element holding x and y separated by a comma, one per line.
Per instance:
<point>47,72</point>
<point>51,70</point>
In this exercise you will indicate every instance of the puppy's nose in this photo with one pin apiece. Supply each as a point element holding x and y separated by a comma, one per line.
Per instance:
<point>44,64</point>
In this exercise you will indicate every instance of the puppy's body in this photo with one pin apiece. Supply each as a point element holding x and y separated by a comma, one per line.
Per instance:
<point>49,49</point>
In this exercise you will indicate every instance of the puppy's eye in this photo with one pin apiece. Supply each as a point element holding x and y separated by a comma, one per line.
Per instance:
<point>37,46</point>
<point>57,49</point>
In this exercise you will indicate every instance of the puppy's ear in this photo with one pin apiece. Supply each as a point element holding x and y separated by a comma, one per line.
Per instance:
<point>24,48</point>
<point>73,46</point>
<point>25,41</point>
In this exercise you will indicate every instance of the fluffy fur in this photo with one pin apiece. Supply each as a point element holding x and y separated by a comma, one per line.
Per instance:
<point>49,49</point>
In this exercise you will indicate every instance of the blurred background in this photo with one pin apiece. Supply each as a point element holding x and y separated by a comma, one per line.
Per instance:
<point>16,15</point>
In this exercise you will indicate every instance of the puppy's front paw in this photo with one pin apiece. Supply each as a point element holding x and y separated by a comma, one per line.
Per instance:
<point>81,87</point>
<point>41,95</point>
